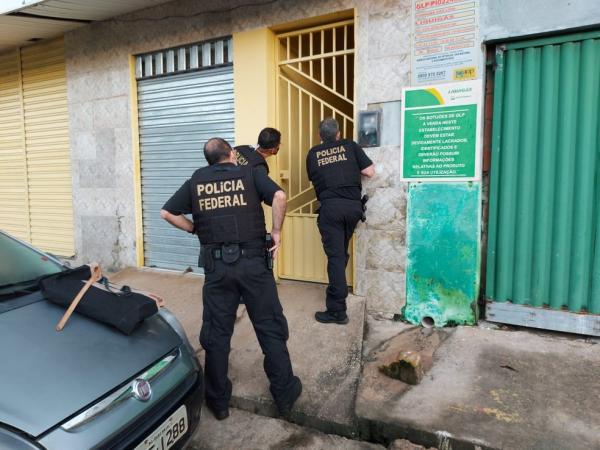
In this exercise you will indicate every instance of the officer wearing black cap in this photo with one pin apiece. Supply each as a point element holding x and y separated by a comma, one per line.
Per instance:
<point>269,140</point>
<point>225,201</point>
<point>335,168</point>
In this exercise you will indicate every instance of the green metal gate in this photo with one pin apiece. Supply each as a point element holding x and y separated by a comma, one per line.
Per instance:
<point>543,266</point>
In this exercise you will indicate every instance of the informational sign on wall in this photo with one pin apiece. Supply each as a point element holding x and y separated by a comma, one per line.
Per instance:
<point>445,41</point>
<point>440,132</point>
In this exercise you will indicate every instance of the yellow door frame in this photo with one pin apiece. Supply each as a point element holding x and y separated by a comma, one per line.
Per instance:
<point>255,71</point>
<point>294,65</point>
<point>137,171</point>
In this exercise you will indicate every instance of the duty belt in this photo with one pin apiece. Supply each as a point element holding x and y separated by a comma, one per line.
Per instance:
<point>228,253</point>
<point>218,253</point>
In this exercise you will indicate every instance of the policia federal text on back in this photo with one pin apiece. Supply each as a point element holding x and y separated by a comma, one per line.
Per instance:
<point>335,168</point>
<point>225,200</point>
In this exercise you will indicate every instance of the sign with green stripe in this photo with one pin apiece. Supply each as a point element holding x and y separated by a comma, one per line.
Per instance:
<point>441,130</point>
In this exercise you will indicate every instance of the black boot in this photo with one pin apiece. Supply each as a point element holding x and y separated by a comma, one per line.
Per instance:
<point>339,317</point>
<point>285,407</point>
<point>220,414</point>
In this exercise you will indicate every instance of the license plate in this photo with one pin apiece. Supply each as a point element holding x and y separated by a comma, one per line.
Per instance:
<point>169,432</point>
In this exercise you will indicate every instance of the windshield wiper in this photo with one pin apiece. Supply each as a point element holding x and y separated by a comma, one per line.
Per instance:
<point>17,292</point>
<point>24,282</point>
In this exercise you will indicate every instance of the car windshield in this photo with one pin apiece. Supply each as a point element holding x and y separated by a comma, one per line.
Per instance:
<point>20,265</point>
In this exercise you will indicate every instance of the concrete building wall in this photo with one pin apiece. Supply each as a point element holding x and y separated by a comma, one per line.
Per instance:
<point>98,73</point>
<point>99,90</point>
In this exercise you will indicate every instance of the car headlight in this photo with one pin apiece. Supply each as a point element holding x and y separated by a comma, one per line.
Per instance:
<point>13,441</point>
<point>170,318</point>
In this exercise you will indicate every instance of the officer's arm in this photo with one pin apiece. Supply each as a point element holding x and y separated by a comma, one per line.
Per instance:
<point>278,207</point>
<point>179,221</point>
<point>368,171</point>
<point>274,196</point>
<point>366,166</point>
<point>179,204</point>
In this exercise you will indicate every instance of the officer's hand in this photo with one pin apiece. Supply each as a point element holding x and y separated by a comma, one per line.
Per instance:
<point>276,236</point>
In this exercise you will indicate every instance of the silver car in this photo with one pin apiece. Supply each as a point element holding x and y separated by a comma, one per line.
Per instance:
<point>88,386</point>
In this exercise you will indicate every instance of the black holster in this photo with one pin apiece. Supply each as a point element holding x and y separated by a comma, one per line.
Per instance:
<point>269,254</point>
<point>230,253</point>
<point>207,259</point>
<point>363,201</point>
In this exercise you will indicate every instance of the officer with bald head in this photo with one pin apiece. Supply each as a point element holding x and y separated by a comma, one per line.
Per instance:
<point>225,202</point>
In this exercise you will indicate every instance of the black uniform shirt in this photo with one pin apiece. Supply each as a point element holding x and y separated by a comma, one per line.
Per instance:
<point>347,192</point>
<point>181,201</point>
<point>247,155</point>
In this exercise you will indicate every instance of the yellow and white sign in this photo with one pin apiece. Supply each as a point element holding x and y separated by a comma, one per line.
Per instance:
<point>445,41</point>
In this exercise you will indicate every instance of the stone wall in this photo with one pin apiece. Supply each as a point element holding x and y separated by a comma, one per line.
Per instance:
<point>382,71</point>
<point>98,74</point>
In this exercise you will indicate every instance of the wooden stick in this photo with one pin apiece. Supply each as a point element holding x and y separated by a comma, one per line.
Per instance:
<point>96,274</point>
<point>160,303</point>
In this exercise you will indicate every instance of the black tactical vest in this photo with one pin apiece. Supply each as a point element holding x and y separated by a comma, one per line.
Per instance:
<point>226,206</point>
<point>247,156</point>
<point>333,165</point>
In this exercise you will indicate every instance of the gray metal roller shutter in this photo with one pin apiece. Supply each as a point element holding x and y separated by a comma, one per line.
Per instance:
<point>177,114</point>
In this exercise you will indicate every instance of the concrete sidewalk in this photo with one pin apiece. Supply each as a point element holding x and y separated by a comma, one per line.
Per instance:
<point>488,388</point>
<point>327,358</point>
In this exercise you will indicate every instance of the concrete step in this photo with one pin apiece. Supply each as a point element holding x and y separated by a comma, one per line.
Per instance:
<point>327,358</point>
<point>243,430</point>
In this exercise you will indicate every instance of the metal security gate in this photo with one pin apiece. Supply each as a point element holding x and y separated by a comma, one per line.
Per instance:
<point>185,97</point>
<point>543,265</point>
<point>315,79</point>
<point>14,214</point>
<point>35,158</point>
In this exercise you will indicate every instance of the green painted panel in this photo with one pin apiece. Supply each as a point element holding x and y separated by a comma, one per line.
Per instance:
<point>442,274</point>
<point>544,221</point>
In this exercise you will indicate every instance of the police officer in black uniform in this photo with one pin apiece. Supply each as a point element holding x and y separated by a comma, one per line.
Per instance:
<point>225,200</point>
<point>335,168</point>
<point>269,140</point>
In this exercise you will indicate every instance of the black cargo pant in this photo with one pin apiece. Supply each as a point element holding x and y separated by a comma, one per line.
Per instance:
<point>337,221</point>
<point>224,285</point>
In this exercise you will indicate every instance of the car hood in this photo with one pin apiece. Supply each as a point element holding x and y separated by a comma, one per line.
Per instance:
<point>47,376</point>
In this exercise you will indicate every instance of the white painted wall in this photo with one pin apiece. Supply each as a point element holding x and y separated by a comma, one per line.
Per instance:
<point>502,19</point>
